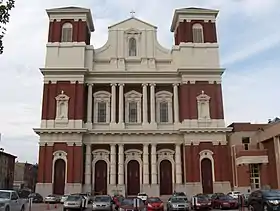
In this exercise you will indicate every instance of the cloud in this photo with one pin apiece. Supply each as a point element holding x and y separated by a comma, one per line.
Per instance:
<point>248,36</point>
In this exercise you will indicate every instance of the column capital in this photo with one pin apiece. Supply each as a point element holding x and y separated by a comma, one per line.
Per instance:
<point>89,84</point>
<point>113,84</point>
<point>112,145</point>
<point>175,84</point>
<point>145,84</point>
<point>152,84</point>
<point>120,84</point>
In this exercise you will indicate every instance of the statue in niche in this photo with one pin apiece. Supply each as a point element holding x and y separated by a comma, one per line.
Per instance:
<point>62,106</point>
<point>203,106</point>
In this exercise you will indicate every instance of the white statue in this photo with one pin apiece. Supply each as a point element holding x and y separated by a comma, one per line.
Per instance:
<point>203,106</point>
<point>62,106</point>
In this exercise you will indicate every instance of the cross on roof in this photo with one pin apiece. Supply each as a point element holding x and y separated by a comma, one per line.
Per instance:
<point>132,13</point>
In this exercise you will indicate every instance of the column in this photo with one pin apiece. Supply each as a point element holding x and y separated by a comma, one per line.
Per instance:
<point>88,166</point>
<point>121,103</point>
<point>145,104</point>
<point>178,164</point>
<point>276,142</point>
<point>113,164</point>
<point>121,165</point>
<point>113,103</point>
<point>153,104</point>
<point>146,164</point>
<point>176,103</point>
<point>154,164</point>
<point>89,104</point>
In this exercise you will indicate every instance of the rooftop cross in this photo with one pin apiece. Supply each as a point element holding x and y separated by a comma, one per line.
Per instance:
<point>132,13</point>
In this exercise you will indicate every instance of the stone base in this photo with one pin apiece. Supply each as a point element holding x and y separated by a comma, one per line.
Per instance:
<point>44,189</point>
<point>180,188</point>
<point>221,187</point>
<point>113,189</point>
<point>87,188</point>
<point>243,189</point>
<point>73,188</point>
<point>193,188</point>
<point>121,189</point>
<point>150,190</point>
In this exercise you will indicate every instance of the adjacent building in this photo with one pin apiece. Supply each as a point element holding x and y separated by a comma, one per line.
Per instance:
<point>25,176</point>
<point>7,165</point>
<point>132,115</point>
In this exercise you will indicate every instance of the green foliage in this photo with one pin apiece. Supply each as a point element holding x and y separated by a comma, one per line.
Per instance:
<point>5,8</point>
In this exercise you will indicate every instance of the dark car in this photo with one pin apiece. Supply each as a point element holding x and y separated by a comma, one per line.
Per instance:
<point>201,202</point>
<point>36,198</point>
<point>225,202</point>
<point>268,200</point>
<point>127,204</point>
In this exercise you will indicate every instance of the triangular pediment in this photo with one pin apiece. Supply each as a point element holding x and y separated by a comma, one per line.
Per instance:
<point>132,23</point>
<point>68,9</point>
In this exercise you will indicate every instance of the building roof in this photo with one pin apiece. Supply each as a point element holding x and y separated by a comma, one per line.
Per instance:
<point>73,9</point>
<point>7,154</point>
<point>132,18</point>
<point>245,126</point>
<point>191,11</point>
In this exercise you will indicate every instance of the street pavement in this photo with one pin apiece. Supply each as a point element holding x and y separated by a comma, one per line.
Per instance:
<point>59,207</point>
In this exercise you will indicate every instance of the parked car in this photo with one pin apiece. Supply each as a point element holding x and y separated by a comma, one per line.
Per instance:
<point>234,194</point>
<point>102,202</point>
<point>63,198</point>
<point>181,194</point>
<point>52,199</point>
<point>201,202</point>
<point>177,203</point>
<point>127,204</point>
<point>74,202</point>
<point>154,203</point>
<point>142,196</point>
<point>9,200</point>
<point>36,198</point>
<point>224,202</point>
<point>117,201</point>
<point>268,200</point>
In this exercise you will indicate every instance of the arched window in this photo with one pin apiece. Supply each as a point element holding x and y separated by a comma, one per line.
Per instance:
<point>132,47</point>
<point>67,32</point>
<point>163,112</point>
<point>197,31</point>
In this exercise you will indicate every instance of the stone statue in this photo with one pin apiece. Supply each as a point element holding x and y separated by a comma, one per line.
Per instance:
<point>62,106</point>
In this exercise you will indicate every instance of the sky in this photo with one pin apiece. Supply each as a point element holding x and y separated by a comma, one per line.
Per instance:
<point>249,41</point>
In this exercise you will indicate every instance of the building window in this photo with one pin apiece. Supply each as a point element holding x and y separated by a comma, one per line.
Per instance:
<point>246,142</point>
<point>197,31</point>
<point>132,47</point>
<point>101,107</point>
<point>164,111</point>
<point>133,107</point>
<point>132,112</point>
<point>255,176</point>
<point>101,112</point>
<point>163,107</point>
<point>67,32</point>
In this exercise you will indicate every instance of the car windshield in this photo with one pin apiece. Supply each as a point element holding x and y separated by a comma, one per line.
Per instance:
<point>179,194</point>
<point>226,198</point>
<point>102,199</point>
<point>50,196</point>
<point>152,200</point>
<point>178,200</point>
<point>4,195</point>
<point>142,194</point>
<point>202,198</point>
<point>130,202</point>
<point>272,193</point>
<point>73,198</point>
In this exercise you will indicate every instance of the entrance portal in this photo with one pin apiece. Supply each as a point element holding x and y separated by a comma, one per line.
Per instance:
<point>133,178</point>
<point>100,177</point>
<point>166,185</point>
<point>59,177</point>
<point>206,176</point>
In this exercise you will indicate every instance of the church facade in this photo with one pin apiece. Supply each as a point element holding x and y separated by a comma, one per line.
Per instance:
<point>132,116</point>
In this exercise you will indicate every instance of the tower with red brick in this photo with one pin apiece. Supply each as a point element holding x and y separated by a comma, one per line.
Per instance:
<point>61,149</point>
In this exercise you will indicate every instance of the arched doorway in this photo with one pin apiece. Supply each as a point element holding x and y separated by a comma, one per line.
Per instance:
<point>59,177</point>
<point>166,172</point>
<point>133,178</point>
<point>100,177</point>
<point>207,176</point>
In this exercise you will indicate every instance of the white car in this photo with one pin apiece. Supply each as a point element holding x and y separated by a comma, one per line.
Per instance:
<point>142,196</point>
<point>234,194</point>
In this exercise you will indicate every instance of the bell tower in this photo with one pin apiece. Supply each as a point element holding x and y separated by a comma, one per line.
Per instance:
<point>70,24</point>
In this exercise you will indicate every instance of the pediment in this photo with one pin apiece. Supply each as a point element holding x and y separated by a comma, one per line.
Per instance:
<point>132,23</point>
<point>133,31</point>
<point>133,94</point>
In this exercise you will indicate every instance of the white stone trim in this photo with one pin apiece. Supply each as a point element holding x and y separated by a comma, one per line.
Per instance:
<point>59,154</point>
<point>207,154</point>
<point>200,27</point>
<point>102,96</point>
<point>164,96</point>
<point>100,154</point>
<point>203,106</point>
<point>166,154</point>
<point>134,154</point>
<point>62,108</point>
<point>252,159</point>
<point>133,96</point>
<point>136,34</point>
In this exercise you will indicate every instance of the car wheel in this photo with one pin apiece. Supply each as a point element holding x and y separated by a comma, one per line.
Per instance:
<point>7,209</point>
<point>250,208</point>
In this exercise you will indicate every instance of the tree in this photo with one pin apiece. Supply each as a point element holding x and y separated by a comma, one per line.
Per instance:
<point>5,8</point>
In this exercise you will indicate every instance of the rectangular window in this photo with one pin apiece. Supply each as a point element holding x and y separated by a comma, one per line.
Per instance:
<point>163,112</point>
<point>246,142</point>
<point>197,35</point>
<point>66,35</point>
<point>132,115</point>
<point>255,176</point>
<point>101,115</point>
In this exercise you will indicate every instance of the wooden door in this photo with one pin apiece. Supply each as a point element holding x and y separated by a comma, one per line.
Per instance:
<point>133,178</point>
<point>166,183</point>
<point>100,177</point>
<point>206,176</point>
<point>59,177</point>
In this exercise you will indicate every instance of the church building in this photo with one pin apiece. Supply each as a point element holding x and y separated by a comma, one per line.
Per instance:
<point>132,116</point>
